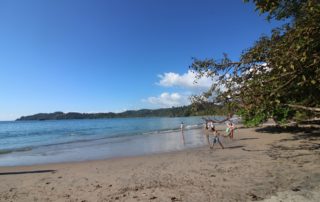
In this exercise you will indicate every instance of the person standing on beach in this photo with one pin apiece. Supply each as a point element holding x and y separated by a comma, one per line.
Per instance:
<point>209,126</point>
<point>230,129</point>
<point>182,134</point>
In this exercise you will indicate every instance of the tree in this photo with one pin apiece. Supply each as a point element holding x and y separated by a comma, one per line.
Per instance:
<point>279,76</point>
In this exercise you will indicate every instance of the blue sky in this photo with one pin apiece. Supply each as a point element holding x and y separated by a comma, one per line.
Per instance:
<point>113,55</point>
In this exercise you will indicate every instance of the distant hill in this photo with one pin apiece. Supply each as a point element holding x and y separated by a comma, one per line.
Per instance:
<point>164,112</point>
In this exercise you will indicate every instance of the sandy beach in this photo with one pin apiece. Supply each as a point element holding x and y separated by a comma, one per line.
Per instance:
<point>261,164</point>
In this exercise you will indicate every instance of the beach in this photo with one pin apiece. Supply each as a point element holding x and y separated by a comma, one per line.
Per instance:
<point>260,164</point>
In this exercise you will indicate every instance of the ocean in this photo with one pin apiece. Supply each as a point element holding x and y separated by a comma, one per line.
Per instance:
<point>54,141</point>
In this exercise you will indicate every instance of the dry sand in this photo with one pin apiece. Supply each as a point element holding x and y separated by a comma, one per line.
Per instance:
<point>265,165</point>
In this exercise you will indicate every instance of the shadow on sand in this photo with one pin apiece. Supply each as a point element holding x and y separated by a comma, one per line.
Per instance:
<point>299,133</point>
<point>28,172</point>
<point>249,138</point>
<point>234,147</point>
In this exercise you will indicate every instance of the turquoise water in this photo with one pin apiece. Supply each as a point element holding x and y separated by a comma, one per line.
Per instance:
<point>36,142</point>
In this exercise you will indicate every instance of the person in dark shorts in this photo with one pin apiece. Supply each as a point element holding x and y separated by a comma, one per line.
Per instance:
<point>216,138</point>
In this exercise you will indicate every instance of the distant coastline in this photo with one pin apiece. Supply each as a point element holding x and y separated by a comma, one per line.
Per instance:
<point>183,111</point>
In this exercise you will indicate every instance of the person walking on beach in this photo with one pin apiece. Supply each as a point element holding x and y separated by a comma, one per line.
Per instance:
<point>216,138</point>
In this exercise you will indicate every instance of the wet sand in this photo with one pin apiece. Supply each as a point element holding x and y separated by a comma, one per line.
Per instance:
<point>261,164</point>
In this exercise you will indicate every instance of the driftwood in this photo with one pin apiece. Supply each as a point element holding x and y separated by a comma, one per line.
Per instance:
<point>217,121</point>
<point>313,109</point>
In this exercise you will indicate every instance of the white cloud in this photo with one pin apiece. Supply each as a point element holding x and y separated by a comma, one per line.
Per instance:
<point>186,88</point>
<point>168,100</point>
<point>185,80</point>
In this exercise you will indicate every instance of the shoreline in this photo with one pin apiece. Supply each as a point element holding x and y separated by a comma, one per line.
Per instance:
<point>193,137</point>
<point>105,148</point>
<point>256,166</point>
<point>53,142</point>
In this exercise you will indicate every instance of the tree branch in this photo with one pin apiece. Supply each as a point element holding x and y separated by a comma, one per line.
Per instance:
<point>314,109</point>
<point>283,86</point>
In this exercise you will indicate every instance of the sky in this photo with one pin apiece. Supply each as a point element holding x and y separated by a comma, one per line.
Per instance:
<point>114,55</point>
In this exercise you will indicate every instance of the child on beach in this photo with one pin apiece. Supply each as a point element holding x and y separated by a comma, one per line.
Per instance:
<point>216,138</point>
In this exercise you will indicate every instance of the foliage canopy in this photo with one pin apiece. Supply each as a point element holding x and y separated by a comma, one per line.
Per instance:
<point>279,76</point>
